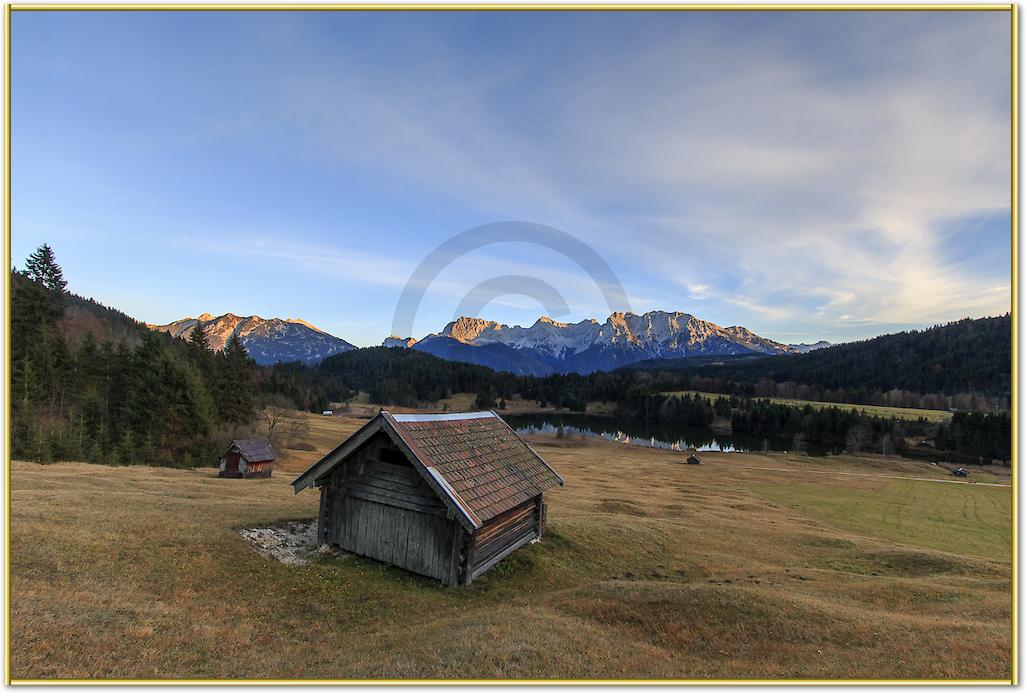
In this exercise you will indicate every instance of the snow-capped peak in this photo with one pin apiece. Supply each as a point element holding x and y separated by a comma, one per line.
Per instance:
<point>658,333</point>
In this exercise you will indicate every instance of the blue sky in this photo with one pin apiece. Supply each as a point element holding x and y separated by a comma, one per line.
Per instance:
<point>829,175</point>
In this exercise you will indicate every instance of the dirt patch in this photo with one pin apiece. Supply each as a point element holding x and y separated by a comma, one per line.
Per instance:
<point>293,543</point>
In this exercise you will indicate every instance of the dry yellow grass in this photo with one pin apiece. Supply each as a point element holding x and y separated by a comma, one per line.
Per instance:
<point>651,569</point>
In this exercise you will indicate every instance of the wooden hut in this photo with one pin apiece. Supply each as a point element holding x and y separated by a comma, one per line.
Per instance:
<point>693,458</point>
<point>247,459</point>
<point>442,495</point>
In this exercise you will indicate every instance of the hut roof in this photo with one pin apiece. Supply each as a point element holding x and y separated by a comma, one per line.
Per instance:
<point>255,449</point>
<point>475,461</point>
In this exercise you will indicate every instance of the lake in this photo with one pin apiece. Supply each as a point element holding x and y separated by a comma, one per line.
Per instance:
<point>646,433</point>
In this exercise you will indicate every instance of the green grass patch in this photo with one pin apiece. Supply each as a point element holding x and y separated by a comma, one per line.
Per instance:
<point>932,415</point>
<point>959,518</point>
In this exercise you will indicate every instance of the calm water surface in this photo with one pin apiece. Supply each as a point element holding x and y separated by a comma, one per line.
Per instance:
<point>656,434</point>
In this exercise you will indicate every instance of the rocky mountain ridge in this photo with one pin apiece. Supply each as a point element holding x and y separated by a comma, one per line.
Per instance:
<point>550,346</point>
<point>268,341</point>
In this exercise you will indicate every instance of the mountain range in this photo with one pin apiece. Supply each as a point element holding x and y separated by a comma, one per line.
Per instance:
<point>546,347</point>
<point>267,340</point>
<point>622,339</point>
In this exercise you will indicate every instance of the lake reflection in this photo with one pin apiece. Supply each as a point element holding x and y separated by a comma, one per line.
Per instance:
<point>645,433</point>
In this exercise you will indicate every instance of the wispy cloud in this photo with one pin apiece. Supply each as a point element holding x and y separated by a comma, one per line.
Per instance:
<point>810,173</point>
<point>824,192</point>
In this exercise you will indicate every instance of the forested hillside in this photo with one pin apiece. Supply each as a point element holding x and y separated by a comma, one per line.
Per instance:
<point>89,383</point>
<point>408,377</point>
<point>948,365</point>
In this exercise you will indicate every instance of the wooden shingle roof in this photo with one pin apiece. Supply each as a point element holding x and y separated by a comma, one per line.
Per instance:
<point>255,449</point>
<point>485,463</point>
<point>475,460</point>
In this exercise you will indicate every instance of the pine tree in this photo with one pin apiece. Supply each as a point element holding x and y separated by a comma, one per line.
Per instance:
<point>235,387</point>
<point>199,351</point>
<point>485,399</point>
<point>198,338</point>
<point>41,266</point>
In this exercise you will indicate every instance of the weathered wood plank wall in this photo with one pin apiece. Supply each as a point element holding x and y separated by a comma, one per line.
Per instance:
<point>502,535</point>
<point>386,511</point>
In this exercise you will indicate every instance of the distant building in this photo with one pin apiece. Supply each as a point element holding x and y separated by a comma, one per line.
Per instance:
<point>247,459</point>
<point>694,459</point>
<point>442,495</point>
<point>328,412</point>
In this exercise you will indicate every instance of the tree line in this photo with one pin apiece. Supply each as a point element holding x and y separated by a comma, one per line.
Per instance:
<point>977,435</point>
<point>836,428</point>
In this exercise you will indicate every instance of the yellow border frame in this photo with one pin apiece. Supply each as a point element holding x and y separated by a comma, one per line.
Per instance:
<point>518,7</point>
<point>1011,8</point>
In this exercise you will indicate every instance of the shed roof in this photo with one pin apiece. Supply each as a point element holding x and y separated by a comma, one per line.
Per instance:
<point>255,449</point>
<point>476,462</point>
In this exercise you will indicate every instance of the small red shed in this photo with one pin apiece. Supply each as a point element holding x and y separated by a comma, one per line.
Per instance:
<point>247,459</point>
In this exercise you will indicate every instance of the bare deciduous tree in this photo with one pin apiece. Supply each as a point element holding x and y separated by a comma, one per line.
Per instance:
<point>856,439</point>
<point>886,445</point>
<point>274,416</point>
<point>282,423</point>
<point>797,444</point>
<point>296,428</point>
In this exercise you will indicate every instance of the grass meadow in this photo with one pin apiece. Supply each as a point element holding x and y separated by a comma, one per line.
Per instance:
<point>908,413</point>
<point>745,567</point>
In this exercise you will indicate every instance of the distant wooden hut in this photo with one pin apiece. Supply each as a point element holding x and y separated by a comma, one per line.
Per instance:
<point>247,459</point>
<point>693,458</point>
<point>442,495</point>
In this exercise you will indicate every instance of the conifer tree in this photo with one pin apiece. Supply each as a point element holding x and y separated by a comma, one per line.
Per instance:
<point>198,338</point>
<point>41,266</point>
<point>235,391</point>
<point>199,351</point>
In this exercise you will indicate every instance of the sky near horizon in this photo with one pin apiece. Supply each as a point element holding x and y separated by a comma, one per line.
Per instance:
<point>809,175</point>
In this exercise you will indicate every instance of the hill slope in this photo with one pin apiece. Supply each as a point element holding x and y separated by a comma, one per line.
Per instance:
<point>967,356</point>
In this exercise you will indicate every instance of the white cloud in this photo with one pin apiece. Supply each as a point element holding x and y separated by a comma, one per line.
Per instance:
<point>805,174</point>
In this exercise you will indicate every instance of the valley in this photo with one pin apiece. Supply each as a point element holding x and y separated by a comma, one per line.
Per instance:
<point>434,345</point>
